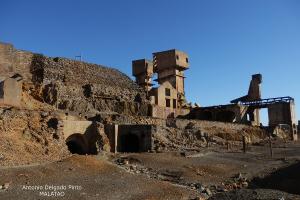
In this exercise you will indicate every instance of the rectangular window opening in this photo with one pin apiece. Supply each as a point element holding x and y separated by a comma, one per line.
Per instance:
<point>168,92</point>
<point>168,103</point>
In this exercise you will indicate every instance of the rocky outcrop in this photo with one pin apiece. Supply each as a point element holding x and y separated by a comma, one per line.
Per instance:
<point>28,137</point>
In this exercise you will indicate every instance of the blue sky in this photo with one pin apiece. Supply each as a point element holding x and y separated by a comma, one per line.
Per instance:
<point>227,41</point>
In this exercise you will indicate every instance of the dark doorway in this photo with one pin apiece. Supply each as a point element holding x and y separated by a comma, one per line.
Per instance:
<point>225,116</point>
<point>129,143</point>
<point>206,115</point>
<point>76,144</point>
<point>1,90</point>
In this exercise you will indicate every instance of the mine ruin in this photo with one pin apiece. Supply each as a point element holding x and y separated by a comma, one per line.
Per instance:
<point>168,100</point>
<point>51,108</point>
<point>87,99</point>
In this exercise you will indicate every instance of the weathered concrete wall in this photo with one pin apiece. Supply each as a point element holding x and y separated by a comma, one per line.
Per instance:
<point>171,58</point>
<point>85,137</point>
<point>71,127</point>
<point>130,138</point>
<point>283,113</point>
<point>224,113</point>
<point>11,92</point>
<point>112,130</point>
<point>164,113</point>
<point>161,95</point>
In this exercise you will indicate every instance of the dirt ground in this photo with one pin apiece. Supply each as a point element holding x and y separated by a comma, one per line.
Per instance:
<point>212,173</point>
<point>85,177</point>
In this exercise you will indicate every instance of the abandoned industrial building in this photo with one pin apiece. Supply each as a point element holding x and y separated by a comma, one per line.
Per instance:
<point>168,100</point>
<point>86,108</point>
<point>149,100</point>
<point>58,109</point>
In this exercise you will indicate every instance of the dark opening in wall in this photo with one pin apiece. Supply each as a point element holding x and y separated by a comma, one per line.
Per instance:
<point>168,103</point>
<point>250,117</point>
<point>206,115</point>
<point>129,143</point>
<point>167,92</point>
<point>1,90</point>
<point>225,116</point>
<point>76,144</point>
<point>87,90</point>
<point>138,98</point>
<point>53,123</point>
<point>174,103</point>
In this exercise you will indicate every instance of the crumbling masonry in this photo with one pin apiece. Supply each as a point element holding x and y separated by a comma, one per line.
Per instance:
<point>97,108</point>
<point>168,100</point>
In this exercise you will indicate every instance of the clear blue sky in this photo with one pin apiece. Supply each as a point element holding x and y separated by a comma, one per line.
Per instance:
<point>227,41</point>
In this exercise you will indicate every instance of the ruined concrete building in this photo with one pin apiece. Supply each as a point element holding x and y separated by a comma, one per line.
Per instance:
<point>281,110</point>
<point>90,106</point>
<point>167,100</point>
<point>70,85</point>
<point>11,90</point>
<point>83,96</point>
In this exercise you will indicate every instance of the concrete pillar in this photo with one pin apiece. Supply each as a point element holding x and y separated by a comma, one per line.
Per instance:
<point>112,131</point>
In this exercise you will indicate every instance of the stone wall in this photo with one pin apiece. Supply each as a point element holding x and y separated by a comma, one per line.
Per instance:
<point>15,61</point>
<point>73,85</point>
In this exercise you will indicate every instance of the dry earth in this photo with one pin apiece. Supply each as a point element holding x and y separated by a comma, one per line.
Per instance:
<point>168,175</point>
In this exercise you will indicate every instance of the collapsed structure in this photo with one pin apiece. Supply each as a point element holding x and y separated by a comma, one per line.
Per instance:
<point>281,110</point>
<point>93,108</point>
<point>80,96</point>
<point>168,100</point>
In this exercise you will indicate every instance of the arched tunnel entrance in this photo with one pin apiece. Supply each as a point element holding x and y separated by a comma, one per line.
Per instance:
<point>129,143</point>
<point>77,144</point>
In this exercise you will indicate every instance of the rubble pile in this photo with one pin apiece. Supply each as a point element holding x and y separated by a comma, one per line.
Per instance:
<point>188,135</point>
<point>29,137</point>
<point>134,166</point>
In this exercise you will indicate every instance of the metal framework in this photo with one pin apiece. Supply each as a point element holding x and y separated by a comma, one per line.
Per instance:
<point>263,103</point>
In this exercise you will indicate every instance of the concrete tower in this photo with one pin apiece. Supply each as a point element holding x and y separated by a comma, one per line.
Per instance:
<point>169,66</point>
<point>143,71</point>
